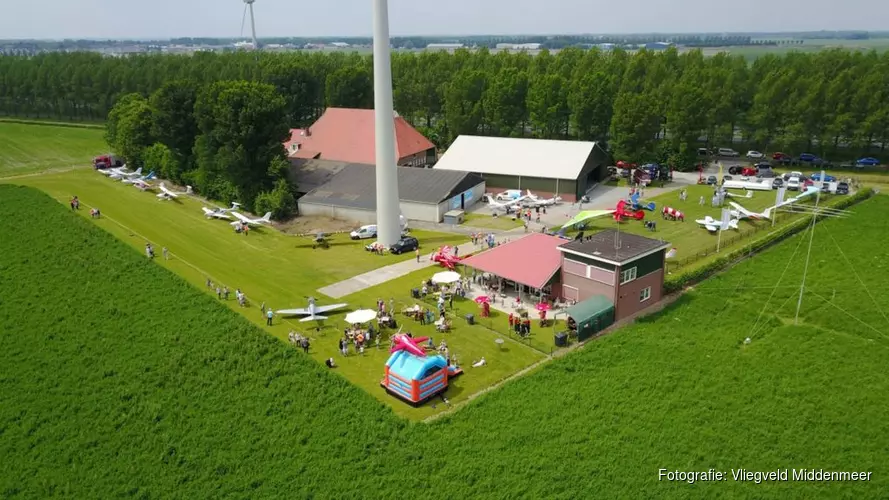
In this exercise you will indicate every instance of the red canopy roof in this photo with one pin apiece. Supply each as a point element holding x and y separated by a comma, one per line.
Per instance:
<point>531,260</point>
<point>347,135</point>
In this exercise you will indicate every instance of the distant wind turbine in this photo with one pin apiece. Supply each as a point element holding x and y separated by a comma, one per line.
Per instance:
<point>249,4</point>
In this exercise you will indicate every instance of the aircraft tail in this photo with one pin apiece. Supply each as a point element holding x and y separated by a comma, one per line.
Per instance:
<point>235,205</point>
<point>138,171</point>
<point>312,318</point>
<point>267,217</point>
<point>188,190</point>
<point>149,176</point>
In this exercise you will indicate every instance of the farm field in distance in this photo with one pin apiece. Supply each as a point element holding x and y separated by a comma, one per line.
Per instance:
<point>31,147</point>
<point>282,271</point>
<point>204,402</point>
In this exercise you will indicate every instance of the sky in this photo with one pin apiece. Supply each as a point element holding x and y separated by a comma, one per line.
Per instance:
<point>129,19</point>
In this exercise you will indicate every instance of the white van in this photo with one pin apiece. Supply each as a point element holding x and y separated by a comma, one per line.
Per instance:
<point>364,232</point>
<point>793,184</point>
<point>728,152</point>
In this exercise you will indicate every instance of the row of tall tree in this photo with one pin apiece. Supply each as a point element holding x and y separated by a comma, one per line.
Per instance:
<point>224,138</point>
<point>643,105</point>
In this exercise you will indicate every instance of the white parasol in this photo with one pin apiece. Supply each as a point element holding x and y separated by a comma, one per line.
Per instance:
<point>446,277</point>
<point>360,316</point>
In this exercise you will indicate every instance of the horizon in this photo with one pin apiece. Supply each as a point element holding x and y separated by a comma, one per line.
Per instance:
<point>165,19</point>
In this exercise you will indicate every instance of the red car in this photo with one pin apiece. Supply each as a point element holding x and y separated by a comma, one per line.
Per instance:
<point>749,172</point>
<point>780,156</point>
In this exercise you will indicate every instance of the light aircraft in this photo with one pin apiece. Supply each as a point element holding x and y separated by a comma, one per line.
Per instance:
<point>114,171</point>
<point>312,312</point>
<point>532,201</point>
<point>142,185</point>
<point>166,194</point>
<point>740,212</point>
<point>219,212</point>
<point>243,219</point>
<point>714,225</point>
<point>122,174</point>
<point>505,207</point>
<point>132,180</point>
<point>764,185</point>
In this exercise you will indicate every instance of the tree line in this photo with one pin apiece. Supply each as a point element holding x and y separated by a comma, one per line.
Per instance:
<point>644,106</point>
<point>223,138</point>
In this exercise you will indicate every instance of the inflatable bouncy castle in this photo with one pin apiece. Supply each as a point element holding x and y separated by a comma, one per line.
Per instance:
<point>413,376</point>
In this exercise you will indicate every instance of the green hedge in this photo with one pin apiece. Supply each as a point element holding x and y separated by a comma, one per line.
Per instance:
<point>682,280</point>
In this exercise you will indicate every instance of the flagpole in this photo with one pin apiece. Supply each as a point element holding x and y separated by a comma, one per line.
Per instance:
<point>719,238</point>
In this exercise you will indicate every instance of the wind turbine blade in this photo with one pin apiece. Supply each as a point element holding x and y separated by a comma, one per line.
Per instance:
<point>243,19</point>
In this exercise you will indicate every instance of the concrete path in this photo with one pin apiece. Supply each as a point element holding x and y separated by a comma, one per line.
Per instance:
<point>395,271</point>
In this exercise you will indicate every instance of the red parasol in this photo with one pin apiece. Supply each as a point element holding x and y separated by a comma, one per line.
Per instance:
<point>543,306</point>
<point>482,299</point>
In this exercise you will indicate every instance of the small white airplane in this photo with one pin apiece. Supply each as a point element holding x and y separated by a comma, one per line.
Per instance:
<point>142,185</point>
<point>219,212</point>
<point>714,225</point>
<point>122,174</point>
<point>132,180</point>
<point>114,171</point>
<point>733,195</point>
<point>740,212</point>
<point>243,219</point>
<point>166,194</point>
<point>531,201</point>
<point>495,205</point>
<point>312,313</point>
<point>764,185</point>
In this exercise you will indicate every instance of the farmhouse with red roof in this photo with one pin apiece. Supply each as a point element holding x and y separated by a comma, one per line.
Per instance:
<point>347,135</point>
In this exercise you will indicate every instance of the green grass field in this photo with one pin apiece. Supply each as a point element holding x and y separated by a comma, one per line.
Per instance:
<point>31,147</point>
<point>282,270</point>
<point>120,379</point>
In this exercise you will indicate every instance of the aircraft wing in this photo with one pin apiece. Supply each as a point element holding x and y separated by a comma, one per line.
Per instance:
<point>241,217</point>
<point>711,227</point>
<point>587,215</point>
<point>221,216</point>
<point>324,309</point>
<point>294,312</point>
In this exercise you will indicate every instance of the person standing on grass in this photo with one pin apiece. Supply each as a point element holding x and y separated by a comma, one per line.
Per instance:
<point>218,293</point>
<point>262,307</point>
<point>305,344</point>
<point>209,283</point>
<point>268,316</point>
<point>225,292</point>
<point>166,253</point>
<point>417,253</point>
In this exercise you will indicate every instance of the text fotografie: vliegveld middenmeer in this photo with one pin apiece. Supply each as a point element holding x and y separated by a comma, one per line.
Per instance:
<point>756,476</point>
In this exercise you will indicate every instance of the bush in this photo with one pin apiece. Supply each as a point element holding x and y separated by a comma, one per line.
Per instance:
<point>280,201</point>
<point>682,280</point>
<point>160,159</point>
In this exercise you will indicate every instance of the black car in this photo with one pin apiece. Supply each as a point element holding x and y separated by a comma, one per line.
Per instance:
<point>405,244</point>
<point>726,177</point>
<point>735,169</point>
<point>843,188</point>
<point>825,187</point>
<point>767,173</point>
<point>777,183</point>
<point>712,180</point>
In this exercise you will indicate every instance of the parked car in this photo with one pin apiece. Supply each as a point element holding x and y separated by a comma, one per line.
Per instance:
<point>712,180</point>
<point>748,172</point>
<point>777,183</point>
<point>788,175</point>
<point>825,187</point>
<point>843,188</point>
<point>726,177</point>
<point>867,162</point>
<point>364,232</point>
<point>703,152</point>
<point>728,152</point>
<point>807,157</point>
<point>754,155</point>
<point>793,184</point>
<point>735,169</point>
<point>827,178</point>
<point>779,156</point>
<point>405,244</point>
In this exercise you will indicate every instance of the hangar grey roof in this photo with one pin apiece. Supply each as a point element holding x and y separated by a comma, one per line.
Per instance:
<point>355,186</point>
<point>309,174</point>
<point>602,246</point>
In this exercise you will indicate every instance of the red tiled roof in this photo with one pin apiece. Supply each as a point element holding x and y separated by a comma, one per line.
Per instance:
<point>531,260</point>
<point>347,135</point>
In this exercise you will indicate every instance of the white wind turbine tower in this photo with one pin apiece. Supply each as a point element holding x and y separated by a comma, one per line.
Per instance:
<point>249,4</point>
